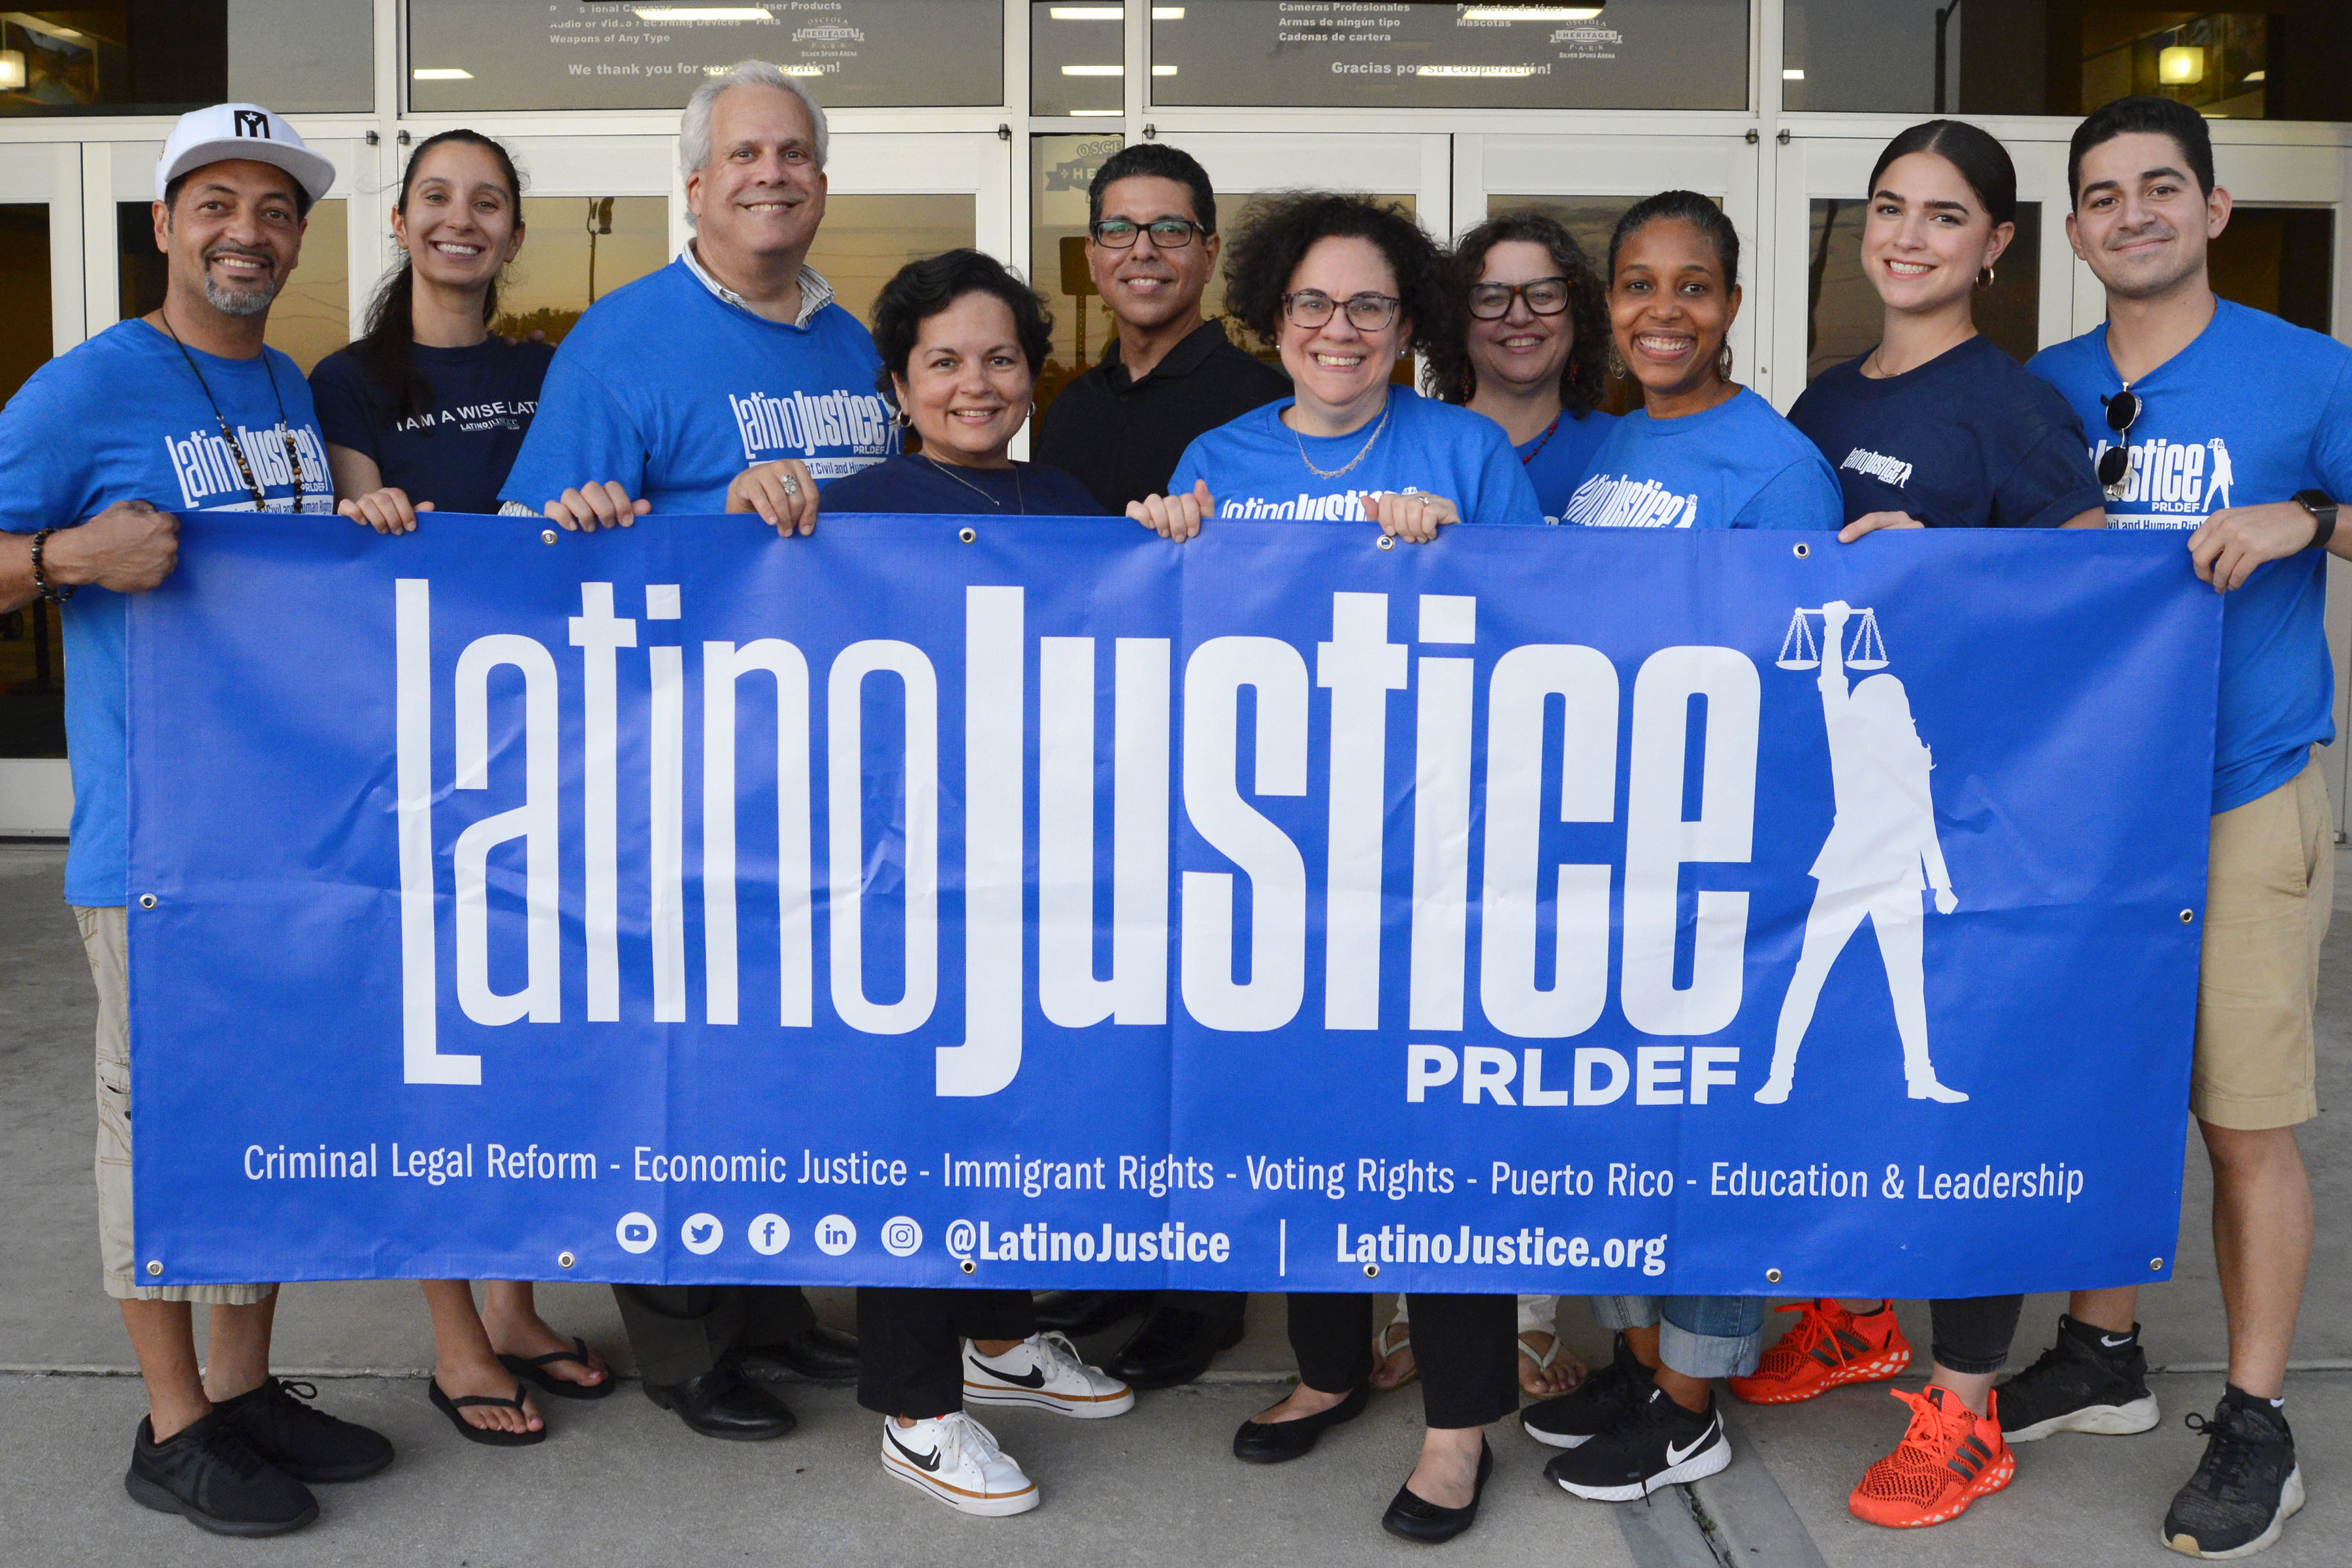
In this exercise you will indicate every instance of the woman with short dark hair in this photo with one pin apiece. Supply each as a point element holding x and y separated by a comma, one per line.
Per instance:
<point>1344,288</point>
<point>962,339</point>
<point>1532,351</point>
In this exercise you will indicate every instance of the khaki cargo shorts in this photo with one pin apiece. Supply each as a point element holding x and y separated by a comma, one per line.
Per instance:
<point>106,941</point>
<point>2270,889</point>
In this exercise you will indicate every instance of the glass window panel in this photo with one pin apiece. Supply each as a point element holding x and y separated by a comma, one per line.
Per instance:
<point>1060,169</point>
<point>2279,259</point>
<point>1625,54</point>
<point>311,317</point>
<point>1077,57</point>
<point>1845,315</point>
<point>466,55</point>
<point>575,251</point>
<point>165,57</point>
<point>865,239</point>
<point>32,651</point>
<point>2290,60</point>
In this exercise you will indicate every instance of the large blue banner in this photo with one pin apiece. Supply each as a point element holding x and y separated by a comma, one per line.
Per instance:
<point>1037,903</point>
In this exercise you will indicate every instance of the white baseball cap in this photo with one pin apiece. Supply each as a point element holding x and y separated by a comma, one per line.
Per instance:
<point>241,131</point>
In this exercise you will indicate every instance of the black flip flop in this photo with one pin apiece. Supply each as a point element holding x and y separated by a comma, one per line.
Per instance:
<point>534,1371</point>
<point>473,1434</point>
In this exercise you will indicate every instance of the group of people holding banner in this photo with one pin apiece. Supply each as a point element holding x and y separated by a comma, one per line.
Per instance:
<point>736,350</point>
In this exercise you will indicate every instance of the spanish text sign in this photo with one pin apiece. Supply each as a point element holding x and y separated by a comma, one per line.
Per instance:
<point>1038,902</point>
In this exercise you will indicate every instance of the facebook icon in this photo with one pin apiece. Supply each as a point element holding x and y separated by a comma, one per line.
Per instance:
<point>768,1234</point>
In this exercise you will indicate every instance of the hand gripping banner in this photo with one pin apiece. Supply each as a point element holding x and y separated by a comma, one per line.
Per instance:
<point>1035,902</point>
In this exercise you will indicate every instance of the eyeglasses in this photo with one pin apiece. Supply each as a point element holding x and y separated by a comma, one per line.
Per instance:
<point>2115,463</point>
<point>1366,313</point>
<point>1545,297</point>
<point>1167,232</point>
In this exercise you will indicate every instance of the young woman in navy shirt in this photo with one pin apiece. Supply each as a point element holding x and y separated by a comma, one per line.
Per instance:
<point>1934,427</point>
<point>428,409</point>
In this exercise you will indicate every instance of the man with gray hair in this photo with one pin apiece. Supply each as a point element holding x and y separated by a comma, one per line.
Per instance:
<point>729,381</point>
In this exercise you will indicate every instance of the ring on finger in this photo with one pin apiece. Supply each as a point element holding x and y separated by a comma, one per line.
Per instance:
<point>790,486</point>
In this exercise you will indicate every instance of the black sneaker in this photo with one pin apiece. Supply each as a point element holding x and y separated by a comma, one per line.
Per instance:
<point>300,1439</point>
<point>2080,1385</point>
<point>1595,1405</point>
<point>2244,1487</point>
<point>1655,1444</point>
<point>207,1474</point>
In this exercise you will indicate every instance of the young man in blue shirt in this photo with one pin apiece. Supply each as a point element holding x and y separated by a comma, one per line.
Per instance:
<point>729,381</point>
<point>181,410</point>
<point>2235,427</point>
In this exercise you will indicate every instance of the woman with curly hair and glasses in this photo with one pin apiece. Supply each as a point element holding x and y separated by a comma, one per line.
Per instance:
<point>1344,288</point>
<point>1532,351</point>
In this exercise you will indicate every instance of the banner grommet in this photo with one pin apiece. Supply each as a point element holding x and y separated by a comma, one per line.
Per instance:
<point>146,901</point>
<point>969,1267</point>
<point>2188,917</point>
<point>547,536</point>
<point>1802,549</point>
<point>564,1260</point>
<point>967,534</point>
<point>155,1268</point>
<point>1372,1270</point>
<point>2156,1265</point>
<point>1386,541</point>
<point>1771,1277</point>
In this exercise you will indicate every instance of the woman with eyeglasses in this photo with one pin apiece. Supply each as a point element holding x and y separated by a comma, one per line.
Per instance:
<point>1343,288</point>
<point>1533,352</point>
<point>1701,452</point>
<point>1935,428</point>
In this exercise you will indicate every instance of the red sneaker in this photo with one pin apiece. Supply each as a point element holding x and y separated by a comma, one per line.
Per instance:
<point>1829,1348</point>
<point>1949,1457</point>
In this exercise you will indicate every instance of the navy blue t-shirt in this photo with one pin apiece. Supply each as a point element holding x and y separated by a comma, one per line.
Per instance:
<point>916,484</point>
<point>1969,439</point>
<point>457,450</point>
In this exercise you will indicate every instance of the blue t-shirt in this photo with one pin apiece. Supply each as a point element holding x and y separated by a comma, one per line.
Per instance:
<point>916,484</point>
<point>1256,465</point>
<point>1738,465</point>
<point>669,390</point>
<point>2251,412</point>
<point>455,451</point>
<point>1969,439</point>
<point>1558,463</point>
<point>121,417</point>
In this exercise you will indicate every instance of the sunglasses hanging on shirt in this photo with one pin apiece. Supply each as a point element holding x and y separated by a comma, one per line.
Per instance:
<point>2115,463</point>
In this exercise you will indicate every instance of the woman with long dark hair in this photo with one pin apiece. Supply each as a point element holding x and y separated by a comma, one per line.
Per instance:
<point>428,409</point>
<point>1532,349</point>
<point>426,412</point>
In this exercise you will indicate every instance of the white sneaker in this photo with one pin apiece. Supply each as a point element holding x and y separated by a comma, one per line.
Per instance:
<point>1043,1372</point>
<point>955,1459</point>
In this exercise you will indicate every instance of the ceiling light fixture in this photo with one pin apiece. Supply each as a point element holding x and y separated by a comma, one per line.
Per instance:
<point>702,12</point>
<point>1530,13</point>
<point>442,73</point>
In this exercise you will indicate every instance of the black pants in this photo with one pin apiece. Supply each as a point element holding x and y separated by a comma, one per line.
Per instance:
<point>911,1343</point>
<point>1466,1348</point>
<point>680,1331</point>
<point>1222,1308</point>
<point>1972,1333</point>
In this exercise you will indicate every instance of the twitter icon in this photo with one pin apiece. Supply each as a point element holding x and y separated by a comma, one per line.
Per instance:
<point>702,1234</point>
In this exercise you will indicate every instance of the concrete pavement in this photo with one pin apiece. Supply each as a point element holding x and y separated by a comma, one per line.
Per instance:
<point>624,1484</point>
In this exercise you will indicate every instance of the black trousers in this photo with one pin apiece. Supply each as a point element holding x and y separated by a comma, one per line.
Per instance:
<point>1222,1308</point>
<point>680,1331</point>
<point>911,1343</point>
<point>1466,1348</point>
<point>1972,1333</point>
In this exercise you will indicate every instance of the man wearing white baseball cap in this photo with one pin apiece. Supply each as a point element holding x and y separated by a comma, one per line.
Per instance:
<point>183,409</point>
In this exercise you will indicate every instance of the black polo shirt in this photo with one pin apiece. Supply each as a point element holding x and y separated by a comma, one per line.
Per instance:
<point>1121,439</point>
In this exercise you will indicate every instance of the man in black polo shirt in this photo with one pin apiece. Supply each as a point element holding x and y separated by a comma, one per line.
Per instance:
<point>1120,430</point>
<point>1169,375</point>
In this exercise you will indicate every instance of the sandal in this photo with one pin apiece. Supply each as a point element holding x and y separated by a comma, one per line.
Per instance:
<point>534,1370</point>
<point>1395,1336</point>
<point>483,1435</point>
<point>1543,1361</point>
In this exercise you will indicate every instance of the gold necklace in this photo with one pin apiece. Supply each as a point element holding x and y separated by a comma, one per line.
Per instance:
<point>1360,456</point>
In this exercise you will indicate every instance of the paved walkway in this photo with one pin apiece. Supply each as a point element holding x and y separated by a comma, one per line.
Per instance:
<point>624,1484</point>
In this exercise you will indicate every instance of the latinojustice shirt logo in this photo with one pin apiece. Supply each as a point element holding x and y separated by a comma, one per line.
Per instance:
<point>209,478</point>
<point>1623,501</point>
<point>2170,484</point>
<point>852,430</point>
<point>1886,470</point>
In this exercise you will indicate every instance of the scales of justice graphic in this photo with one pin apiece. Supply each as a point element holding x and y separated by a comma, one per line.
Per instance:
<point>1882,851</point>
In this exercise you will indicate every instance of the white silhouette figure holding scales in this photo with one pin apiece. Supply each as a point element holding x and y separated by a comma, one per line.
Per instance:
<point>1882,849</point>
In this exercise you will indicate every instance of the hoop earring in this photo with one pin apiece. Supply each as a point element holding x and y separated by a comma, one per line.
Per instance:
<point>1723,363</point>
<point>1984,280</point>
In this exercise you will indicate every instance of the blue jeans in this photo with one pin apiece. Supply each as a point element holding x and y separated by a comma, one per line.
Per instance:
<point>1698,1336</point>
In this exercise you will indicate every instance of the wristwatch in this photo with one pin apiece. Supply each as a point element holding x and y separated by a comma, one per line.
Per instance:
<point>2316,503</point>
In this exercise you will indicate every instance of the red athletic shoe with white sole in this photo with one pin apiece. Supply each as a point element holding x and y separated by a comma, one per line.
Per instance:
<point>1829,1348</point>
<point>1949,1457</point>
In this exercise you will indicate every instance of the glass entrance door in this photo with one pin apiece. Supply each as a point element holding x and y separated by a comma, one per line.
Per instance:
<point>40,277</point>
